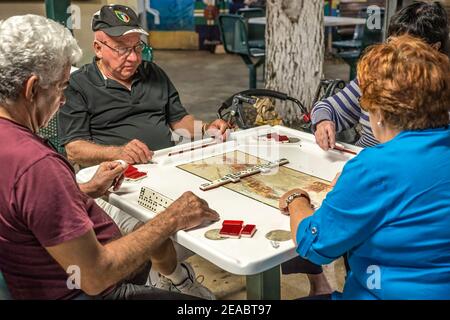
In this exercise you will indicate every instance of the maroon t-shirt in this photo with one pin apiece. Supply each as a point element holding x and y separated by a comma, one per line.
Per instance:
<point>41,206</point>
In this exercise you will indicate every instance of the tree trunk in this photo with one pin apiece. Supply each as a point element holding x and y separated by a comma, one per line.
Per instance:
<point>295,50</point>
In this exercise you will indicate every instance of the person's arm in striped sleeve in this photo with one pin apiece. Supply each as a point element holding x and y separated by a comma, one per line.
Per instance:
<point>335,114</point>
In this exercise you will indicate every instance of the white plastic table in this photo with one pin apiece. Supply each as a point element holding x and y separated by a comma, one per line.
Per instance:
<point>255,257</point>
<point>329,21</point>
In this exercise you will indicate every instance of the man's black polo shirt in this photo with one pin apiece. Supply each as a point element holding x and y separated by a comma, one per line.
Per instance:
<point>105,112</point>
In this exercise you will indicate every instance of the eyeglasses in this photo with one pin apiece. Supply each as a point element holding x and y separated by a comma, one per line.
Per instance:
<point>126,51</point>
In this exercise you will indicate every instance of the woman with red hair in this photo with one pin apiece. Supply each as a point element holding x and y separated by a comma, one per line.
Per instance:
<point>390,209</point>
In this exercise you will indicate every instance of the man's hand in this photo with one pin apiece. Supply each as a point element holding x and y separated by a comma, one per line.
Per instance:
<point>219,129</point>
<point>326,134</point>
<point>282,202</point>
<point>107,175</point>
<point>190,211</point>
<point>134,152</point>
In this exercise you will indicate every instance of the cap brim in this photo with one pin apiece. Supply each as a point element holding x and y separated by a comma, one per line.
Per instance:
<point>123,30</point>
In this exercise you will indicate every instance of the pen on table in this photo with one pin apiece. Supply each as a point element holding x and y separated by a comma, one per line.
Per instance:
<point>339,148</point>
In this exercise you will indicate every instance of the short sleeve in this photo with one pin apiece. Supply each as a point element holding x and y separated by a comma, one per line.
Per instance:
<point>50,203</point>
<point>348,215</point>
<point>73,117</point>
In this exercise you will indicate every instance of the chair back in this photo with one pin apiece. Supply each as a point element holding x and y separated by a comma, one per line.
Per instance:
<point>50,133</point>
<point>359,29</point>
<point>4,292</point>
<point>233,31</point>
<point>256,32</point>
<point>248,13</point>
<point>373,35</point>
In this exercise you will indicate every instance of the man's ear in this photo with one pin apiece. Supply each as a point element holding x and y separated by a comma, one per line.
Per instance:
<point>31,87</point>
<point>97,49</point>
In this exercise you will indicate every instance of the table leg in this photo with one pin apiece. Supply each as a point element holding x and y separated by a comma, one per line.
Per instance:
<point>329,39</point>
<point>265,285</point>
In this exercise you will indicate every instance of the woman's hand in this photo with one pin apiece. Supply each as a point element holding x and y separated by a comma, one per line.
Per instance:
<point>300,209</point>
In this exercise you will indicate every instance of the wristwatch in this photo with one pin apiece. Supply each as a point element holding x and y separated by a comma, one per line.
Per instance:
<point>294,196</point>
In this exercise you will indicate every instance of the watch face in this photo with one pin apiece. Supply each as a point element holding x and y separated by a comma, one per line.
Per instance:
<point>291,198</point>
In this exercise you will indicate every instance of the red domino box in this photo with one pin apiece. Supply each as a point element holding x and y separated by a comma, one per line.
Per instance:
<point>283,139</point>
<point>277,137</point>
<point>132,173</point>
<point>273,136</point>
<point>248,230</point>
<point>130,170</point>
<point>232,223</point>
<point>137,176</point>
<point>231,231</point>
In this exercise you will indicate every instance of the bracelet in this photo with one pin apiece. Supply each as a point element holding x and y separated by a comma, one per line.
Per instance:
<point>295,195</point>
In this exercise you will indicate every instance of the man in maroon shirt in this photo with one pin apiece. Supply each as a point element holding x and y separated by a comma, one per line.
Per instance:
<point>49,226</point>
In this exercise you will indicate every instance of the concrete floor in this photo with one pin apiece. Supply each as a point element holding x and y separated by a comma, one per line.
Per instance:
<point>204,81</point>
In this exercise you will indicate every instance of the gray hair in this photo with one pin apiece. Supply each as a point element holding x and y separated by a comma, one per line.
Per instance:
<point>33,45</point>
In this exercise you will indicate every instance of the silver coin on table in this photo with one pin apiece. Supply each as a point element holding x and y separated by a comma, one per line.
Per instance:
<point>294,140</point>
<point>279,235</point>
<point>213,235</point>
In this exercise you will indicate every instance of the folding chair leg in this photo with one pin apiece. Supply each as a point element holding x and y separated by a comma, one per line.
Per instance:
<point>353,71</point>
<point>252,76</point>
<point>252,67</point>
<point>262,61</point>
<point>251,71</point>
<point>264,73</point>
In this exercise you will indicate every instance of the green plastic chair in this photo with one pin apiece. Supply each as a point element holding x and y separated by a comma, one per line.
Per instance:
<point>256,32</point>
<point>4,292</point>
<point>356,42</point>
<point>50,133</point>
<point>234,34</point>
<point>370,37</point>
<point>147,53</point>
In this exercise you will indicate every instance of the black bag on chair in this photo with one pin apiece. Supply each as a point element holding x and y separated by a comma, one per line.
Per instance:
<point>241,109</point>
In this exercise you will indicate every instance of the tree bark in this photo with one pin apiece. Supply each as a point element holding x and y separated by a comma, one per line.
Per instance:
<point>294,51</point>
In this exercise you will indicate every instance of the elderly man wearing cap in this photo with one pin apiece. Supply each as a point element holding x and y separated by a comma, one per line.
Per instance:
<point>121,107</point>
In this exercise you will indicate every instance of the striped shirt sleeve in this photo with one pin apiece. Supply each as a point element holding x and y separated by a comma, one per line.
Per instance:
<point>342,108</point>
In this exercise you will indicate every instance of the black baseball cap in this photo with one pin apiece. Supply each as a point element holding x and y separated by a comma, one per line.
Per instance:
<point>117,20</point>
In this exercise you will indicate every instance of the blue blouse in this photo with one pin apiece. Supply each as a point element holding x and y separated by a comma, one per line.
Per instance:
<point>390,210</point>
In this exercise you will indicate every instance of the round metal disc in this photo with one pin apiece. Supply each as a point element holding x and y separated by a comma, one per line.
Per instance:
<point>213,235</point>
<point>279,235</point>
<point>293,140</point>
